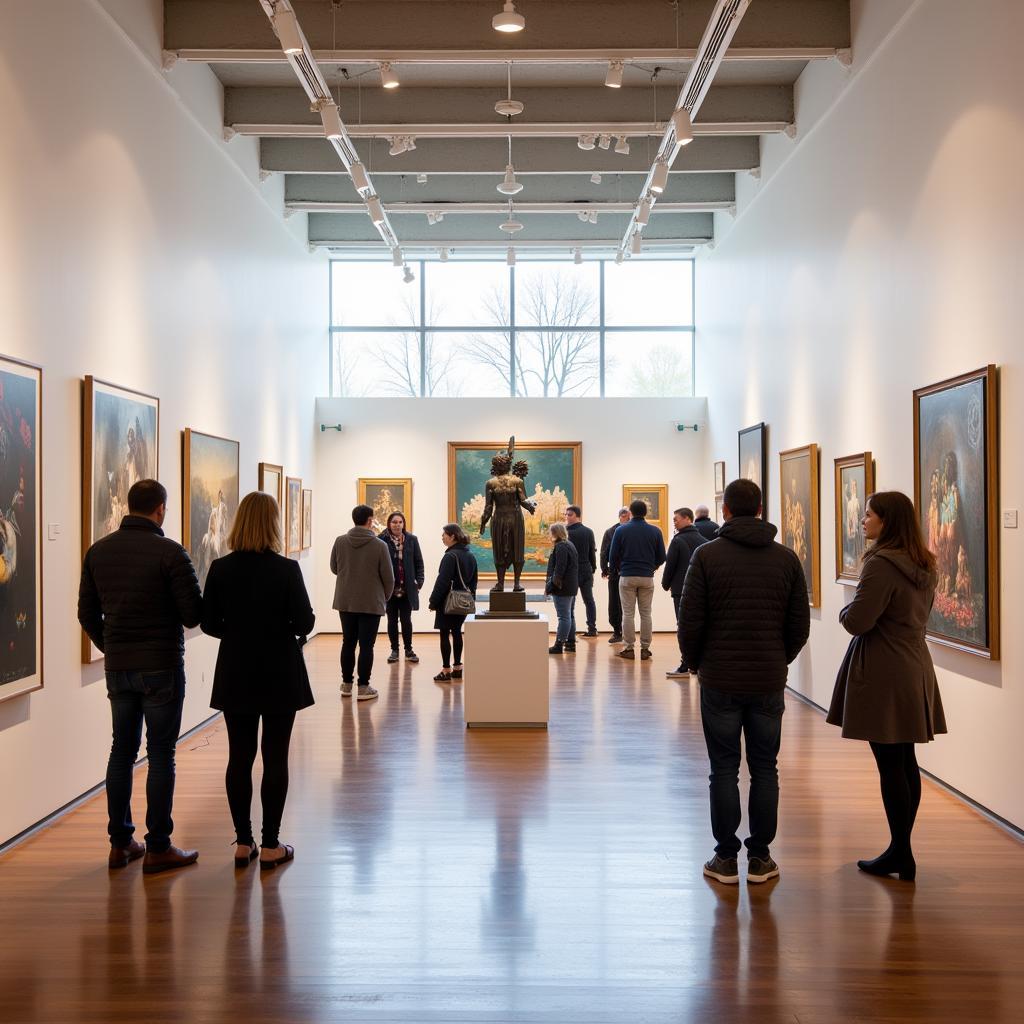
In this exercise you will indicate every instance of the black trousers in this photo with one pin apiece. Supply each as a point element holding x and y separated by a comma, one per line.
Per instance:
<point>243,731</point>
<point>900,780</point>
<point>400,608</point>
<point>614,606</point>
<point>677,600</point>
<point>451,645</point>
<point>358,629</point>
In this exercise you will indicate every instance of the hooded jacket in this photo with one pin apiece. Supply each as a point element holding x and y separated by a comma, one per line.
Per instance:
<point>677,559</point>
<point>886,689</point>
<point>361,561</point>
<point>744,614</point>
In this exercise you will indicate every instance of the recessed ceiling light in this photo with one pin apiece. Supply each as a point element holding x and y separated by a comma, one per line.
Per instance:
<point>508,20</point>
<point>388,78</point>
<point>614,77</point>
<point>660,179</point>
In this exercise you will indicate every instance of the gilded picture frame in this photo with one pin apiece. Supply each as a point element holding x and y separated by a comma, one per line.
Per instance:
<point>210,471</point>
<point>386,495</point>
<point>800,513</point>
<point>854,481</point>
<point>293,515</point>
<point>656,498</point>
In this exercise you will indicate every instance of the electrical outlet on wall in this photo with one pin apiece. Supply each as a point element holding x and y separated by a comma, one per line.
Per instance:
<point>1010,519</point>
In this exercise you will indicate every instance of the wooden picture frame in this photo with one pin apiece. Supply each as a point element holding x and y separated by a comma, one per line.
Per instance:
<point>21,527</point>
<point>386,495</point>
<point>719,478</point>
<point>270,480</point>
<point>800,513</point>
<point>956,493</point>
<point>656,497</point>
<point>719,502</point>
<point>307,519</point>
<point>293,515</point>
<point>208,463</point>
<point>120,445</point>
<point>752,446</point>
<point>854,481</point>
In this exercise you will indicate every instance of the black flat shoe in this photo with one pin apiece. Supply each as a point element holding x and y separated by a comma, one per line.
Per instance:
<point>244,862</point>
<point>890,864</point>
<point>443,677</point>
<point>456,673</point>
<point>289,854</point>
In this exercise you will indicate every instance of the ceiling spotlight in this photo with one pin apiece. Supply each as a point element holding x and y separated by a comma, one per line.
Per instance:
<point>435,217</point>
<point>375,209</point>
<point>388,78</point>
<point>286,26</point>
<point>619,258</point>
<point>397,145</point>
<point>583,216</point>
<point>614,77</point>
<point>683,126</point>
<point>660,179</point>
<point>586,141</point>
<point>397,259</point>
<point>595,178</point>
<point>442,254</point>
<point>508,107</point>
<point>637,244</point>
<point>622,146</point>
<point>592,216</point>
<point>577,256</point>
<point>511,225</point>
<point>604,141</point>
<point>410,143</point>
<point>643,214</point>
<point>331,120</point>
<point>510,257</point>
<point>408,277</point>
<point>421,179</point>
<point>359,178</point>
<point>508,20</point>
<point>510,186</point>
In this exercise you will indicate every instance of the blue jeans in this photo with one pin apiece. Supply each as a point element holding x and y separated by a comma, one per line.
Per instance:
<point>564,611</point>
<point>758,718</point>
<point>587,595</point>
<point>155,697</point>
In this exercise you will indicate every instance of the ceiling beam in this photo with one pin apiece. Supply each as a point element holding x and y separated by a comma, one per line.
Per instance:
<point>497,208</point>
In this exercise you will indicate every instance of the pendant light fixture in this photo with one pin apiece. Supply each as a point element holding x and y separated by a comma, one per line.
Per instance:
<point>511,225</point>
<point>508,107</point>
<point>388,78</point>
<point>682,126</point>
<point>508,20</point>
<point>660,179</point>
<point>510,187</point>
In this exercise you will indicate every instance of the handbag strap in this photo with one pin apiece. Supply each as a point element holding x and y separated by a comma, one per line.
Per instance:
<point>458,567</point>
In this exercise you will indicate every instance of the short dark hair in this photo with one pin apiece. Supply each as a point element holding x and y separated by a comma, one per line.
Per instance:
<point>362,514</point>
<point>146,496</point>
<point>686,513</point>
<point>456,531</point>
<point>742,498</point>
<point>575,510</point>
<point>638,509</point>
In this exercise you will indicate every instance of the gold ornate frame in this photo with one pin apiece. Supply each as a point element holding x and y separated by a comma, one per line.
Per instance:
<point>864,460</point>
<point>405,482</point>
<point>809,451</point>
<point>289,482</point>
<point>630,490</point>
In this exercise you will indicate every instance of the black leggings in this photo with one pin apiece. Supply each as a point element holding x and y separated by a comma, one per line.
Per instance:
<point>400,608</point>
<point>243,730</point>
<point>900,780</point>
<point>451,638</point>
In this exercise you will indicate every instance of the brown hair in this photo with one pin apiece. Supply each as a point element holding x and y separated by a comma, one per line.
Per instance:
<point>559,532</point>
<point>901,529</point>
<point>401,515</point>
<point>257,525</point>
<point>456,531</point>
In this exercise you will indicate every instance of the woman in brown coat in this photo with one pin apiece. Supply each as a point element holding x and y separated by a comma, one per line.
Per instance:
<point>886,692</point>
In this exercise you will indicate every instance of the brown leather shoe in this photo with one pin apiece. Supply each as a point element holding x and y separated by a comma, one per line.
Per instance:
<point>168,860</point>
<point>121,856</point>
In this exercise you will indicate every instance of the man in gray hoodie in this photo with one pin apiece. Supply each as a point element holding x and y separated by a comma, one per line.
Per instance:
<point>361,561</point>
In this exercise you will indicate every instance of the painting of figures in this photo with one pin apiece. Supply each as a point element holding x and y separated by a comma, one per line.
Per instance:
<point>655,497</point>
<point>552,477</point>
<point>956,491</point>
<point>210,497</point>
<point>385,497</point>
<point>21,580</point>
<point>307,519</point>
<point>855,480</point>
<point>293,515</point>
<point>799,522</point>
<point>753,453</point>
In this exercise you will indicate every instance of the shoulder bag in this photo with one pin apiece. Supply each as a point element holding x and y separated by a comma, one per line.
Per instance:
<point>459,602</point>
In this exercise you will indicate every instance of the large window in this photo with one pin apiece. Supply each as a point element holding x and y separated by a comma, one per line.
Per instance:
<point>536,330</point>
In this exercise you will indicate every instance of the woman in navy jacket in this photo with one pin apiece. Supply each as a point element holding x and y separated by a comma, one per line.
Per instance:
<point>563,583</point>
<point>407,565</point>
<point>458,571</point>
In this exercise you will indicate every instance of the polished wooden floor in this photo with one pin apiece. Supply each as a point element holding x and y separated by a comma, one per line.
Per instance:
<point>446,875</point>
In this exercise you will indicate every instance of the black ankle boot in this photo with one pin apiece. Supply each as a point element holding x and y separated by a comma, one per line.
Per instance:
<point>891,863</point>
<point>555,648</point>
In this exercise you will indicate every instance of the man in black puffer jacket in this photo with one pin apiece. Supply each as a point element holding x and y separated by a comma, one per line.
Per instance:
<point>744,616</point>
<point>138,589</point>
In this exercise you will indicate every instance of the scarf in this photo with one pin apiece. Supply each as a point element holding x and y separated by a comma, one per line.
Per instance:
<point>399,545</point>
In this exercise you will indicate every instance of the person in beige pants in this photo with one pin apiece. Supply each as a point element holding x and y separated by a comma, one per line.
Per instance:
<point>637,550</point>
<point>633,591</point>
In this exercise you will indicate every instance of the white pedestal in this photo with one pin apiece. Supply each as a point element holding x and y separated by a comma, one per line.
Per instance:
<point>506,673</point>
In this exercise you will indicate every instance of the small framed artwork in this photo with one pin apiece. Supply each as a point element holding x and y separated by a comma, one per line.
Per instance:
<point>386,496</point>
<point>120,446</point>
<point>719,477</point>
<point>718,509</point>
<point>956,491</point>
<point>656,498</point>
<point>21,528</point>
<point>307,519</point>
<point>209,497</point>
<point>855,480</point>
<point>271,481</point>
<point>293,515</point>
<point>799,523</point>
<point>753,454</point>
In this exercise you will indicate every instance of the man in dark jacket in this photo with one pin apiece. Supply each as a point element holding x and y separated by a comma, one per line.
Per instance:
<point>138,589</point>
<point>706,526</point>
<point>609,574</point>
<point>582,538</point>
<point>638,549</point>
<point>677,560</point>
<point>743,617</point>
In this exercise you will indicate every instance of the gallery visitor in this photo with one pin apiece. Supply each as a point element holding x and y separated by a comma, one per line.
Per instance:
<point>457,572</point>
<point>562,584</point>
<point>582,538</point>
<point>407,565</point>
<point>886,691</point>
<point>637,551</point>
<point>609,574</point>
<point>685,541</point>
<point>744,617</point>
<point>137,593</point>
<point>255,603</point>
<point>365,581</point>
<point>705,525</point>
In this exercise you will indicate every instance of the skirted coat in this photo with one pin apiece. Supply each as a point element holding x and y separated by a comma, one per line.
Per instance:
<point>886,691</point>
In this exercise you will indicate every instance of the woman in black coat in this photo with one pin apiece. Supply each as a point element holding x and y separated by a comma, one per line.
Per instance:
<point>256,603</point>
<point>457,571</point>
<point>407,565</point>
<point>563,583</point>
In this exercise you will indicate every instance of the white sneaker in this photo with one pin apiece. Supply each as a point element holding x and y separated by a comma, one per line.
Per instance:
<point>366,693</point>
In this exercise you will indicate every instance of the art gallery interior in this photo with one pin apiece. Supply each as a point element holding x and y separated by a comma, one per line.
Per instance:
<point>346,236</point>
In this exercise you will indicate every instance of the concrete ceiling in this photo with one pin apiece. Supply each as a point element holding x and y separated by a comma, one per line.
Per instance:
<point>453,67</point>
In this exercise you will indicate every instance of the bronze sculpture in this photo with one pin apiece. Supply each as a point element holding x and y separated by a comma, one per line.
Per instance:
<point>504,498</point>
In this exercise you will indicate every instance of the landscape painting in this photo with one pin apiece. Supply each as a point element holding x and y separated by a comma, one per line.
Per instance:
<point>753,455</point>
<point>799,523</point>
<point>209,497</point>
<point>385,496</point>
<point>21,578</point>
<point>956,491</point>
<point>553,482</point>
<point>293,515</point>
<point>855,480</point>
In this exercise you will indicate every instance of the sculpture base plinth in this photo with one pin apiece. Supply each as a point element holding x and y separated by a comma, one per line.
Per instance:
<point>507,604</point>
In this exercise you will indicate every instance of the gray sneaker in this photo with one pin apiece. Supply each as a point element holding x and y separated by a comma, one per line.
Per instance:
<point>366,693</point>
<point>723,870</point>
<point>346,689</point>
<point>760,869</point>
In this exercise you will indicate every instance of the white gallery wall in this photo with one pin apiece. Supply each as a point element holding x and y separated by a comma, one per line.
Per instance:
<point>880,253</point>
<point>137,247</point>
<point>625,441</point>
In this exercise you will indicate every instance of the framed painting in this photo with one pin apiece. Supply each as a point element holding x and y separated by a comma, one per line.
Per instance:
<point>655,496</point>
<point>209,497</point>
<point>21,528</point>
<point>554,480</point>
<point>753,453</point>
<point>271,481</point>
<point>719,477</point>
<point>956,491</point>
<point>855,480</point>
<point>800,519</point>
<point>293,515</point>
<point>307,519</point>
<point>385,496</point>
<point>718,509</point>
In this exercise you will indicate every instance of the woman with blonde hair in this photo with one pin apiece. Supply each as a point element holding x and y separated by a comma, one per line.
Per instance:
<point>256,603</point>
